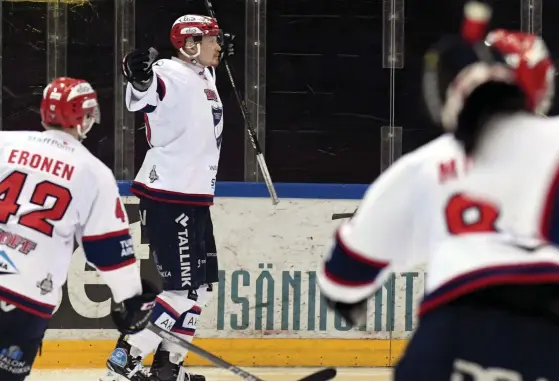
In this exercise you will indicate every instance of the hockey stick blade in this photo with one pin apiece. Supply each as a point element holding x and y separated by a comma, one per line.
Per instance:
<point>202,353</point>
<point>321,375</point>
<point>342,216</point>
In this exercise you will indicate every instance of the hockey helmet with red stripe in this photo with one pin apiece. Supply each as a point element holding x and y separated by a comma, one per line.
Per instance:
<point>70,103</point>
<point>456,66</point>
<point>528,56</point>
<point>194,26</point>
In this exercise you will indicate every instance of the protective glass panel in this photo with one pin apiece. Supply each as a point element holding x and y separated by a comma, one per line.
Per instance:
<point>332,89</point>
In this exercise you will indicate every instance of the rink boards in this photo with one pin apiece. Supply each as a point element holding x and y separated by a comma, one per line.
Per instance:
<point>266,309</point>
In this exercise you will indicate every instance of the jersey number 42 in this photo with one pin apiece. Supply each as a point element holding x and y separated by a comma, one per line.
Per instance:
<point>10,190</point>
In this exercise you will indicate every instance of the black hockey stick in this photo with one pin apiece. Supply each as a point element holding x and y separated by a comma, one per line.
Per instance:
<point>321,375</point>
<point>248,123</point>
<point>342,216</point>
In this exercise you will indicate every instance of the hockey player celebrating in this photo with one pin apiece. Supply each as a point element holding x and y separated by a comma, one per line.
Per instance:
<point>54,190</point>
<point>175,185</point>
<point>490,310</point>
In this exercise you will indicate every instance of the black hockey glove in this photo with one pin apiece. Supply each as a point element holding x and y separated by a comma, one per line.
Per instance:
<point>132,315</point>
<point>227,44</point>
<point>137,67</point>
<point>355,314</point>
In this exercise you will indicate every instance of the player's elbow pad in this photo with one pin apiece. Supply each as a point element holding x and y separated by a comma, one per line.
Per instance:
<point>110,251</point>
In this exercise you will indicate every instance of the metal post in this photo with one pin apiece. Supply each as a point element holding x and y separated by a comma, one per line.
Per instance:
<point>57,38</point>
<point>124,129</point>
<point>531,16</point>
<point>255,81</point>
<point>393,58</point>
<point>390,145</point>
<point>393,34</point>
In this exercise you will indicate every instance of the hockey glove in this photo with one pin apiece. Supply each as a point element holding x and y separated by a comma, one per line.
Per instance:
<point>132,315</point>
<point>355,314</point>
<point>137,67</point>
<point>227,44</point>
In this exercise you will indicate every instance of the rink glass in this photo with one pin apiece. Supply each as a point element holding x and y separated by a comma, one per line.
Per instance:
<point>332,87</point>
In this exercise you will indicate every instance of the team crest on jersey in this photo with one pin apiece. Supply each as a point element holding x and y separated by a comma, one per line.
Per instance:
<point>7,267</point>
<point>153,175</point>
<point>210,95</point>
<point>218,126</point>
<point>45,285</point>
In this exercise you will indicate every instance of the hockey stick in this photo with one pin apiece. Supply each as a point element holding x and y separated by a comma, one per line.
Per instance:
<point>248,123</point>
<point>321,375</point>
<point>342,216</point>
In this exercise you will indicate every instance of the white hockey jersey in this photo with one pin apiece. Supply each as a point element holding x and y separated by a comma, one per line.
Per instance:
<point>491,226</point>
<point>504,215</point>
<point>184,126</point>
<point>393,225</point>
<point>52,190</point>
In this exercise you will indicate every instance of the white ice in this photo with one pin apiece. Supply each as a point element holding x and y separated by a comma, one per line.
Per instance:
<point>215,374</point>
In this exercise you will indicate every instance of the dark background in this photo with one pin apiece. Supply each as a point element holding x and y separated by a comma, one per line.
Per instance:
<point>327,93</point>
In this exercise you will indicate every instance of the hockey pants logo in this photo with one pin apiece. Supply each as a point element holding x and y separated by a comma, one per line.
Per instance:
<point>11,360</point>
<point>466,370</point>
<point>184,251</point>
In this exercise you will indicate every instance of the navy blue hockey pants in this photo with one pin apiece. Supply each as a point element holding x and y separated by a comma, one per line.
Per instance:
<point>458,342</point>
<point>182,242</point>
<point>21,335</point>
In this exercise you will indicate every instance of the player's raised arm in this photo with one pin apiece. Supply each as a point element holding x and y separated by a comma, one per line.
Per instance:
<point>108,246</point>
<point>146,89</point>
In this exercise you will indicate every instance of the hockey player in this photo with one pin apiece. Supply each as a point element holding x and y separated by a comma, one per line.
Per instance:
<point>54,190</point>
<point>184,123</point>
<point>493,286</point>
<point>490,310</point>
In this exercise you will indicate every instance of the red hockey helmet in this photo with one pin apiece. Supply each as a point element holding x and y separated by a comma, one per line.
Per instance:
<point>456,66</point>
<point>70,103</point>
<point>192,26</point>
<point>528,56</point>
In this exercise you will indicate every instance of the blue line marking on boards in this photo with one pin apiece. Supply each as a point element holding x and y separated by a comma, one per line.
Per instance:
<point>284,190</point>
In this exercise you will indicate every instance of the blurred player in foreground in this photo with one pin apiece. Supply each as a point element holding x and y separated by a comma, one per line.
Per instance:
<point>491,310</point>
<point>175,185</point>
<point>54,190</point>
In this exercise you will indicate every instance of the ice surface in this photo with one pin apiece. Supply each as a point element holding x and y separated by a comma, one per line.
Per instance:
<point>215,374</point>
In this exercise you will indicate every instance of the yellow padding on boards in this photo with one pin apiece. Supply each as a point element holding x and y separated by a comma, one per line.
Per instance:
<point>83,354</point>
